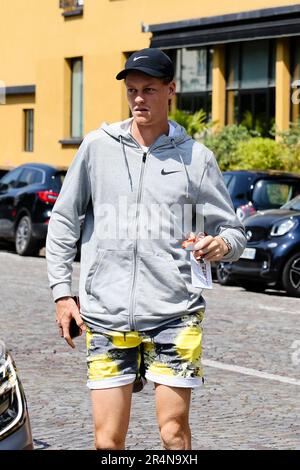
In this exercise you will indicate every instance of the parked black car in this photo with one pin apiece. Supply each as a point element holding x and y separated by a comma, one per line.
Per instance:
<point>15,430</point>
<point>251,191</point>
<point>27,196</point>
<point>272,255</point>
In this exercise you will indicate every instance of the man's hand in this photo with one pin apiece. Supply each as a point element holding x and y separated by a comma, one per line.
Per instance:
<point>210,248</point>
<point>66,309</point>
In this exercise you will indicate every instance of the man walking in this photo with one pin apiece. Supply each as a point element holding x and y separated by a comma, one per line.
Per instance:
<point>139,303</point>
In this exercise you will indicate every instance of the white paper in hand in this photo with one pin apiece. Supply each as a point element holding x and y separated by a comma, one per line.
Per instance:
<point>201,273</point>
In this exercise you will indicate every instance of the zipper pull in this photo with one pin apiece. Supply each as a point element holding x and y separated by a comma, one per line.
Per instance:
<point>144,157</point>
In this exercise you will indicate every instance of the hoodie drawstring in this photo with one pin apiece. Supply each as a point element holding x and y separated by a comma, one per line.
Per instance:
<point>126,161</point>
<point>184,165</point>
<point>181,159</point>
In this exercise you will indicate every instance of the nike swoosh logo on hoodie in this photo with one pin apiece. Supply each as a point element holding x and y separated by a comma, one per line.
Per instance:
<point>164,172</point>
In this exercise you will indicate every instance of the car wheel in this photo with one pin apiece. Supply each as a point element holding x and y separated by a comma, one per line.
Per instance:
<point>24,242</point>
<point>252,286</point>
<point>291,276</point>
<point>223,275</point>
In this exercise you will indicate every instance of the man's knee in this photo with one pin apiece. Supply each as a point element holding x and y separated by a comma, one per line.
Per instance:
<point>108,442</point>
<point>175,435</point>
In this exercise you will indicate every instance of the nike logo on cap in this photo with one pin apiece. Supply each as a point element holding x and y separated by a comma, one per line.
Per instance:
<point>140,57</point>
<point>163,172</point>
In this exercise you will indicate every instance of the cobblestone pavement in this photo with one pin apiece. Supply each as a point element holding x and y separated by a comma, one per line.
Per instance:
<point>232,411</point>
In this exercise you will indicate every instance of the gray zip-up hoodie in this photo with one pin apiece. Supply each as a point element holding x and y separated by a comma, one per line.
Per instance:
<point>133,277</point>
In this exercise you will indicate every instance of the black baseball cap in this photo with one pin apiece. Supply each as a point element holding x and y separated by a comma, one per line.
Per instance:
<point>150,61</point>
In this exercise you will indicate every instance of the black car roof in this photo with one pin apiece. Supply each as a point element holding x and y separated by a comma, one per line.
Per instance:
<point>42,166</point>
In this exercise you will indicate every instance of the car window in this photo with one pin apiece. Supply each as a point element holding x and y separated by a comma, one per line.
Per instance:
<point>12,176</point>
<point>37,177</point>
<point>57,180</point>
<point>238,185</point>
<point>269,194</point>
<point>227,179</point>
<point>29,176</point>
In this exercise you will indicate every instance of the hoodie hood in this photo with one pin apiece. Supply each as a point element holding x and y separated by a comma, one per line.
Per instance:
<point>122,129</point>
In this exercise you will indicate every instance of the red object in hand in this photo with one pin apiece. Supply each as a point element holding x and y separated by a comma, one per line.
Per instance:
<point>189,241</point>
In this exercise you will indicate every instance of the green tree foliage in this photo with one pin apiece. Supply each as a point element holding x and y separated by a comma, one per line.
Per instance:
<point>224,144</point>
<point>290,141</point>
<point>259,153</point>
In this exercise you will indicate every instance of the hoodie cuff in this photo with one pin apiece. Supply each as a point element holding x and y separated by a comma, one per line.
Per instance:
<point>61,290</point>
<point>231,255</point>
<point>238,242</point>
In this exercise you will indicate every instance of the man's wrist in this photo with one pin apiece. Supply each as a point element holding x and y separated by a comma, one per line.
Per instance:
<point>228,244</point>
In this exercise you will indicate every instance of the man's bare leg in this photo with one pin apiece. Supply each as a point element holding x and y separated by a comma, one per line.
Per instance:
<point>111,413</point>
<point>172,411</point>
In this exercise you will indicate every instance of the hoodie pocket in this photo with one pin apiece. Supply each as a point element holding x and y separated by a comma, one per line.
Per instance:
<point>161,290</point>
<point>96,266</point>
<point>108,281</point>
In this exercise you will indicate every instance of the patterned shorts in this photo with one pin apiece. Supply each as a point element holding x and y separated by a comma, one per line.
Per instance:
<point>168,355</point>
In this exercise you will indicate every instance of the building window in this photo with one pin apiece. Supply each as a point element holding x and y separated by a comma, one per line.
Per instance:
<point>29,129</point>
<point>295,80</point>
<point>250,85</point>
<point>72,7</point>
<point>194,79</point>
<point>76,97</point>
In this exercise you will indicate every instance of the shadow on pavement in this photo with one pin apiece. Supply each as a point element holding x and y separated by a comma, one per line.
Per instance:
<point>8,247</point>
<point>269,291</point>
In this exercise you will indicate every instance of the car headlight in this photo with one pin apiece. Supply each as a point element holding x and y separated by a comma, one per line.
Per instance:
<point>283,227</point>
<point>12,401</point>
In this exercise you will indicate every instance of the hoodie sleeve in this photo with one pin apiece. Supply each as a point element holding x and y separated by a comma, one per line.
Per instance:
<point>64,225</point>
<point>216,207</point>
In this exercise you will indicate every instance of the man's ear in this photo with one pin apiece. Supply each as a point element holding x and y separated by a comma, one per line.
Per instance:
<point>172,89</point>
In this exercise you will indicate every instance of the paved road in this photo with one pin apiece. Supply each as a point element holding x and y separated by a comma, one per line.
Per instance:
<point>237,408</point>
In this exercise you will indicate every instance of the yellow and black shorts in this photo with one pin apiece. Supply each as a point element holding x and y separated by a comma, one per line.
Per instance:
<point>168,355</point>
